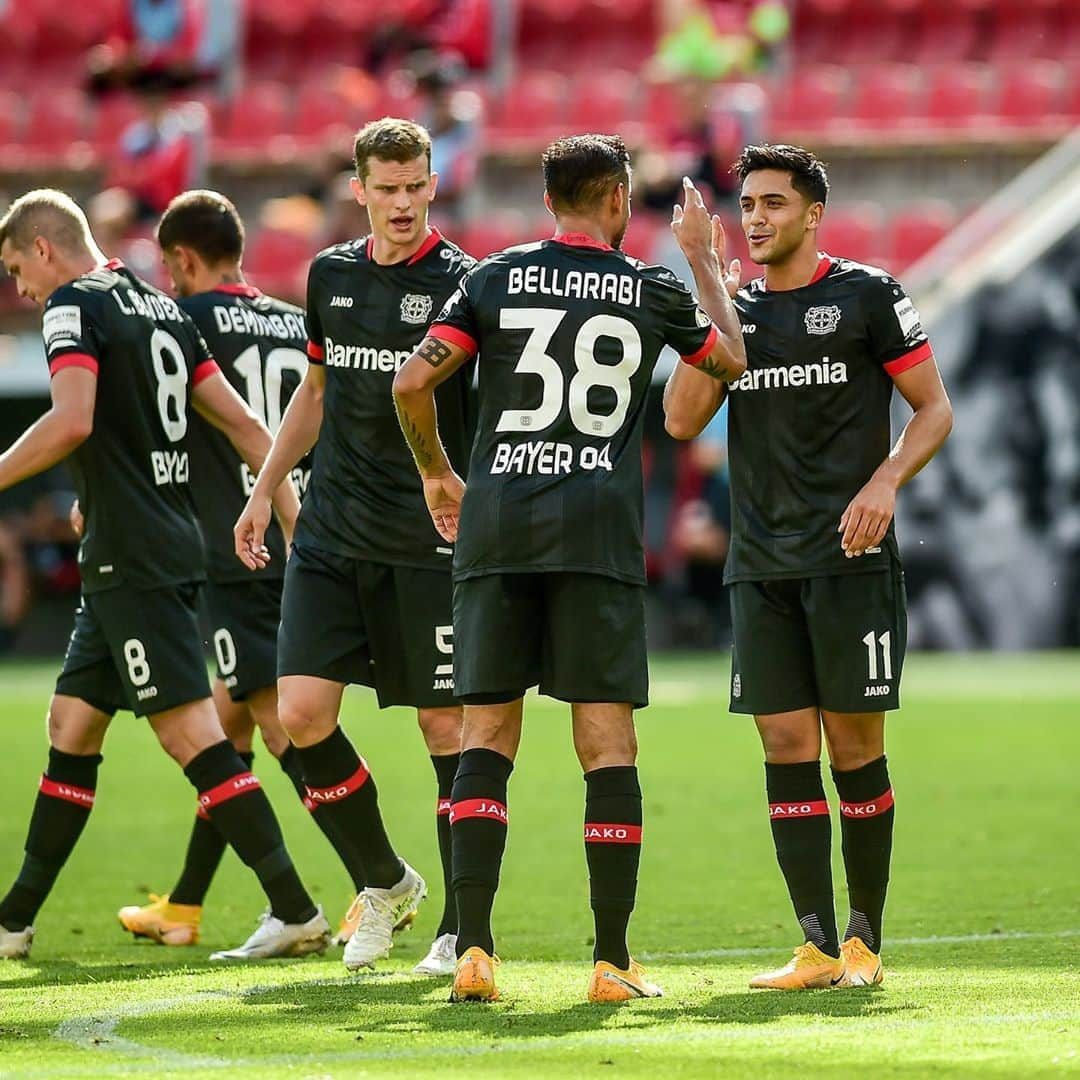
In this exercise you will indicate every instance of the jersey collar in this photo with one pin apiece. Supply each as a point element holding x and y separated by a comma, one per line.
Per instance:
<point>113,264</point>
<point>577,239</point>
<point>238,288</point>
<point>434,237</point>
<point>825,264</point>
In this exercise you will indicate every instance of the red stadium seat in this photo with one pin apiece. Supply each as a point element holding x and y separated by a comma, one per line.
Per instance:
<point>854,232</point>
<point>277,261</point>
<point>532,113</point>
<point>958,97</point>
<point>322,114</point>
<point>811,100</point>
<point>888,95</point>
<point>11,126</point>
<point>1031,94</point>
<point>915,230</point>
<point>945,36</point>
<point>256,123</point>
<point>1023,34</point>
<point>115,114</point>
<point>603,101</point>
<point>59,129</point>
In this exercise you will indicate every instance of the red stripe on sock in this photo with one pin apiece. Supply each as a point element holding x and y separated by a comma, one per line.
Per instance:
<point>319,796</point>
<point>868,809</point>
<point>799,809</point>
<point>478,808</point>
<point>598,833</point>
<point>80,796</point>
<point>442,807</point>
<point>240,784</point>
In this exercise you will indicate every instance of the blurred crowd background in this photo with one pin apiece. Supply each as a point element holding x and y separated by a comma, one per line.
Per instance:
<point>950,129</point>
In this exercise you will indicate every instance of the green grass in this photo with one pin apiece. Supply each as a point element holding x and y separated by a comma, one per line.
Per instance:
<point>984,762</point>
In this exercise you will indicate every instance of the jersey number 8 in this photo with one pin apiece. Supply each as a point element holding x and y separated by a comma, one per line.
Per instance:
<point>535,360</point>
<point>171,385</point>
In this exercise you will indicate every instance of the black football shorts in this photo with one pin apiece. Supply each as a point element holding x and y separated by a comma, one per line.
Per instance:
<point>579,637</point>
<point>834,643</point>
<point>242,623</point>
<point>137,649</point>
<point>355,621</point>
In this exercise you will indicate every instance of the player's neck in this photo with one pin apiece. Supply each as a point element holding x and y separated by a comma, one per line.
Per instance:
<point>215,278</point>
<point>794,272</point>
<point>581,226</point>
<point>387,253</point>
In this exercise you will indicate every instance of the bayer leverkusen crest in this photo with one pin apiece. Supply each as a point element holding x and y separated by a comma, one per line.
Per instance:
<point>415,309</point>
<point>822,320</point>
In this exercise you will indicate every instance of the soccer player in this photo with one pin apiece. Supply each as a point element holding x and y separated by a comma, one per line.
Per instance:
<point>817,589</point>
<point>126,366</point>
<point>367,587</point>
<point>259,344</point>
<point>549,567</point>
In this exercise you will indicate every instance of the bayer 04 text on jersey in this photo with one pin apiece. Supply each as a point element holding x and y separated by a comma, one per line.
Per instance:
<point>548,458</point>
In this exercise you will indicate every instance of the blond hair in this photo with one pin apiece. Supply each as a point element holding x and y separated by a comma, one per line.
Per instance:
<point>46,212</point>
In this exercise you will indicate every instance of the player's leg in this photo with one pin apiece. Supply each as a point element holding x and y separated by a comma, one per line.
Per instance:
<point>773,678</point>
<point>861,633</point>
<point>441,729</point>
<point>61,810</point>
<point>595,656</point>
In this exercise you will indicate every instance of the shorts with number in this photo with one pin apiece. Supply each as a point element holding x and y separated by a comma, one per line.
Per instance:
<point>579,637</point>
<point>356,621</point>
<point>834,643</point>
<point>137,649</point>
<point>243,619</point>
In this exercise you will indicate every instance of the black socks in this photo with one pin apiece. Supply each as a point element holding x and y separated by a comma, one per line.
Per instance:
<point>478,824</point>
<point>866,825</point>
<point>802,835</point>
<point>612,850</point>
<point>445,770</point>
<point>61,810</point>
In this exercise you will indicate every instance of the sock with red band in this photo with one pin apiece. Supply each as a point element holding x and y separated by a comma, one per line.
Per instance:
<point>802,835</point>
<point>61,810</point>
<point>291,766</point>
<point>238,806</point>
<point>866,825</point>
<point>339,783</point>
<point>445,770</point>
<point>204,851</point>
<point>612,851</point>
<point>478,824</point>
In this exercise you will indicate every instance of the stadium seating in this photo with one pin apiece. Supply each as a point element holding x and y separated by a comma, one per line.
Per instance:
<point>915,230</point>
<point>276,261</point>
<point>855,231</point>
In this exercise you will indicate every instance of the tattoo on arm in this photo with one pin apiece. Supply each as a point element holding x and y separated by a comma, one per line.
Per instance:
<point>435,352</point>
<point>716,368</point>
<point>416,441</point>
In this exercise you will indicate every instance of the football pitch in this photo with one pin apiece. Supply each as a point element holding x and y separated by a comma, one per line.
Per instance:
<point>983,924</point>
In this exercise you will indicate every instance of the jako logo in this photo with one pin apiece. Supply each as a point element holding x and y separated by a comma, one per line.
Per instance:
<point>825,373</point>
<point>341,301</point>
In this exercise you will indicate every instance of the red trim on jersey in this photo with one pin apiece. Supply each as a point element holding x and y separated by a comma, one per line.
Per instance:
<point>80,796</point>
<point>578,239</point>
<point>695,358</point>
<point>240,784</point>
<point>817,808</point>
<point>74,359</point>
<point>433,238</point>
<point>868,809</point>
<point>442,807</point>
<point>453,335</point>
<point>823,267</point>
<point>316,352</point>
<point>114,264</point>
<point>370,247</point>
<point>909,359</point>
<point>238,288</point>
<point>204,370</point>
<point>323,795</point>
<point>598,833</point>
<point>479,808</point>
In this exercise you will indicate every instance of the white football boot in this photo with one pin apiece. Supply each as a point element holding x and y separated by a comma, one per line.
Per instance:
<point>382,910</point>
<point>441,958</point>
<point>15,944</point>
<point>274,938</point>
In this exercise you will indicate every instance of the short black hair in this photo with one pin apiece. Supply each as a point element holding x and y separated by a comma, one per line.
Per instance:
<point>206,222</point>
<point>808,176</point>
<point>581,169</point>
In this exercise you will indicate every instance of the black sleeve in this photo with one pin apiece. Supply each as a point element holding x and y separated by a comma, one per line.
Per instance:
<point>71,331</point>
<point>457,323</point>
<point>897,339</point>
<point>203,363</point>
<point>687,329</point>
<point>316,346</point>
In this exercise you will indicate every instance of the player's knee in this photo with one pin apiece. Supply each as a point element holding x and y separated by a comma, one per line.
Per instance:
<point>786,747</point>
<point>441,729</point>
<point>302,722</point>
<point>602,749</point>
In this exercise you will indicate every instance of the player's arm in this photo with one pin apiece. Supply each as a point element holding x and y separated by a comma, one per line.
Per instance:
<point>434,361</point>
<point>68,423</point>
<point>697,387</point>
<point>217,402</point>
<point>866,519</point>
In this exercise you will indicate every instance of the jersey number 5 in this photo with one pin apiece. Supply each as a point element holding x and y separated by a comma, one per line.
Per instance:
<point>535,360</point>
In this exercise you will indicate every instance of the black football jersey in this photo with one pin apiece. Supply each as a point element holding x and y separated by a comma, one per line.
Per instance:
<point>809,419</point>
<point>260,345</point>
<point>365,320</point>
<point>568,332</point>
<point>131,474</point>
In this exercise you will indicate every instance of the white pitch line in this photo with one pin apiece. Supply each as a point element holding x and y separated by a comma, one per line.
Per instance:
<point>938,939</point>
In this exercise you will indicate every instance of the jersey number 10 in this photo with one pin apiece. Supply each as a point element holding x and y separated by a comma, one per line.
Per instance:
<point>535,360</point>
<point>264,397</point>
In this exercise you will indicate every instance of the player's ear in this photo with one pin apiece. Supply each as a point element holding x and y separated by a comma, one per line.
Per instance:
<point>547,204</point>
<point>358,191</point>
<point>813,215</point>
<point>433,183</point>
<point>42,248</point>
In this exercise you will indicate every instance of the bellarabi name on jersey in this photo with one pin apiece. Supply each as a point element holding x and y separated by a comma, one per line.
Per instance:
<point>574,284</point>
